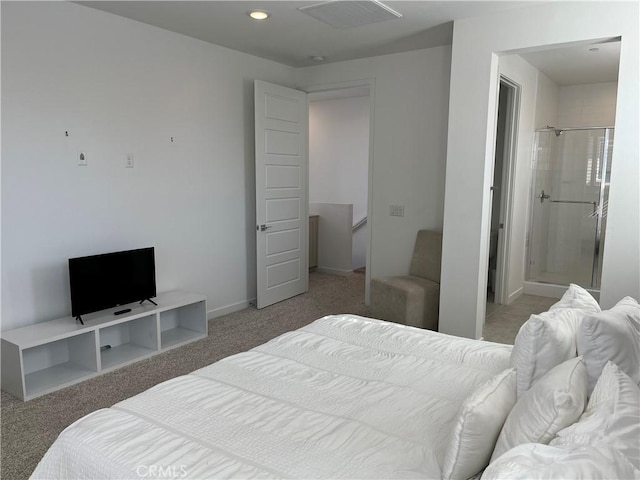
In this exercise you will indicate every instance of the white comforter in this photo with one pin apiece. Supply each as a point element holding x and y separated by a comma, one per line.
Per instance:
<point>344,397</point>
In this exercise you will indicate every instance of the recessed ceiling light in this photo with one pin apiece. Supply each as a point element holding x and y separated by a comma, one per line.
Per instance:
<point>317,58</point>
<point>259,14</point>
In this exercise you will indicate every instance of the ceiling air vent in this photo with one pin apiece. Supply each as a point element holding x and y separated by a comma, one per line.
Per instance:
<point>350,13</point>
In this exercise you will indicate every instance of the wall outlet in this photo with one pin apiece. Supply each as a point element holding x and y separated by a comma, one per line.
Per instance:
<point>396,210</point>
<point>82,159</point>
<point>129,163</point>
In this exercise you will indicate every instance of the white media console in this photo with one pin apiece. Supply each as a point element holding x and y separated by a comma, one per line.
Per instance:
<point>48,356</point>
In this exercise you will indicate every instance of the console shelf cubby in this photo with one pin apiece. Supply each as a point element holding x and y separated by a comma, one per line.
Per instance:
<point>128,341</point>
<point>48,356</point>
<point>179,326</point>
<point>62,362</point>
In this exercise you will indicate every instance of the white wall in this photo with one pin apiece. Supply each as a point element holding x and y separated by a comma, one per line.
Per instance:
<point>359,247</point>
<point>409,112</point>
<point>129,90</point>
<point>334,237</point>
<point>339,159</point>
<point>526,76</point>
<point>589,105</point>
<point>119,86</point>
<point>339,152</point>
<point>474,72</point>
<point>546,102</point>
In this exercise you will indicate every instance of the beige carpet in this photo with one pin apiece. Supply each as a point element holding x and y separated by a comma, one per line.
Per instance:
<point>29,428</point>
<point>504,321</point>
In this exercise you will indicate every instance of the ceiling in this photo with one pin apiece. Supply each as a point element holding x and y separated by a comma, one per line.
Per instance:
<point>578,64</point>
<point>292,37</point>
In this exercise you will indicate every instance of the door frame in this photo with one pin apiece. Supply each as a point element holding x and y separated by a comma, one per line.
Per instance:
<point>370,84</point>
<point>507,188</point>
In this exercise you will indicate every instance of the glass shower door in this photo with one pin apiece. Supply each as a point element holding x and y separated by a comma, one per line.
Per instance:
<point>570,187</point>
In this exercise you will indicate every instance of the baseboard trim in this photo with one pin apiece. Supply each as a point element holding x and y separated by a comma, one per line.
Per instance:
<point>226,310</point>
<point>334,271</point>
<point>551,290</point>
<point>515,295</point>
<point>544,289</point>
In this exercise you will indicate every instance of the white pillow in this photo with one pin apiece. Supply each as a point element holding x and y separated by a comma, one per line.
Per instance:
<point>478,425</point>
<point>612,335</point>
<point>577,297</point>
<point>534,461</point>
<point>554,402</point>
<point>612,416</point>
<point>544,341</point>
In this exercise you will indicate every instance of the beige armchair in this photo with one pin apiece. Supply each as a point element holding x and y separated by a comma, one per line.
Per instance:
<point>412,299</point>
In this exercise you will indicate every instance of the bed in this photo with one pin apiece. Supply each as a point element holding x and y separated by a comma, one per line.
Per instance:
<point>344,397</point>
<point>353,397</point>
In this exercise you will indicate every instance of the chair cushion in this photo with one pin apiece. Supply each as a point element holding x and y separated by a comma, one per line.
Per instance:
<point>427,255</point>
<point>407,300</point>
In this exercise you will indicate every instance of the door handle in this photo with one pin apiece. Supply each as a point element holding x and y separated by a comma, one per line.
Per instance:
<point>544,196</point>
<point>263,227</point>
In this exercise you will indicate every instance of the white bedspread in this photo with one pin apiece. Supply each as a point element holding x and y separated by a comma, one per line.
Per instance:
<point>344,397</point>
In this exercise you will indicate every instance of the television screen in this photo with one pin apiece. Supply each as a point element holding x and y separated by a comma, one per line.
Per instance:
<point>111,279</point>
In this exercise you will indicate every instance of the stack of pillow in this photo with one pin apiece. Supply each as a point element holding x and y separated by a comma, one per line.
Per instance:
<point>568,408</point>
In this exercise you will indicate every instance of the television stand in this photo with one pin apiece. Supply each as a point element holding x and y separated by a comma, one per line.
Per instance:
<point>45,357</point>
<point>148,300</point>
<point>79,319</point>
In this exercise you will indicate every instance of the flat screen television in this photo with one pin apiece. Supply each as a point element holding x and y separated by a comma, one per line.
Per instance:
<point>104,281</point>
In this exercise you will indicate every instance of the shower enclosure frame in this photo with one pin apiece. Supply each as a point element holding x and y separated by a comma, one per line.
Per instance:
<point>605,162</point>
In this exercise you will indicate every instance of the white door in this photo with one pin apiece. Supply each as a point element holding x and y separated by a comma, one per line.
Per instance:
<point>282,221</point>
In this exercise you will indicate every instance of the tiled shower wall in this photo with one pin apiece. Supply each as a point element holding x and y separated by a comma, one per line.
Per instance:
<point>589,105</point>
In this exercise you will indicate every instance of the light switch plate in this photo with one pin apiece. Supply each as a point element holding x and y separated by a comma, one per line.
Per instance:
<point>396,210</point>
